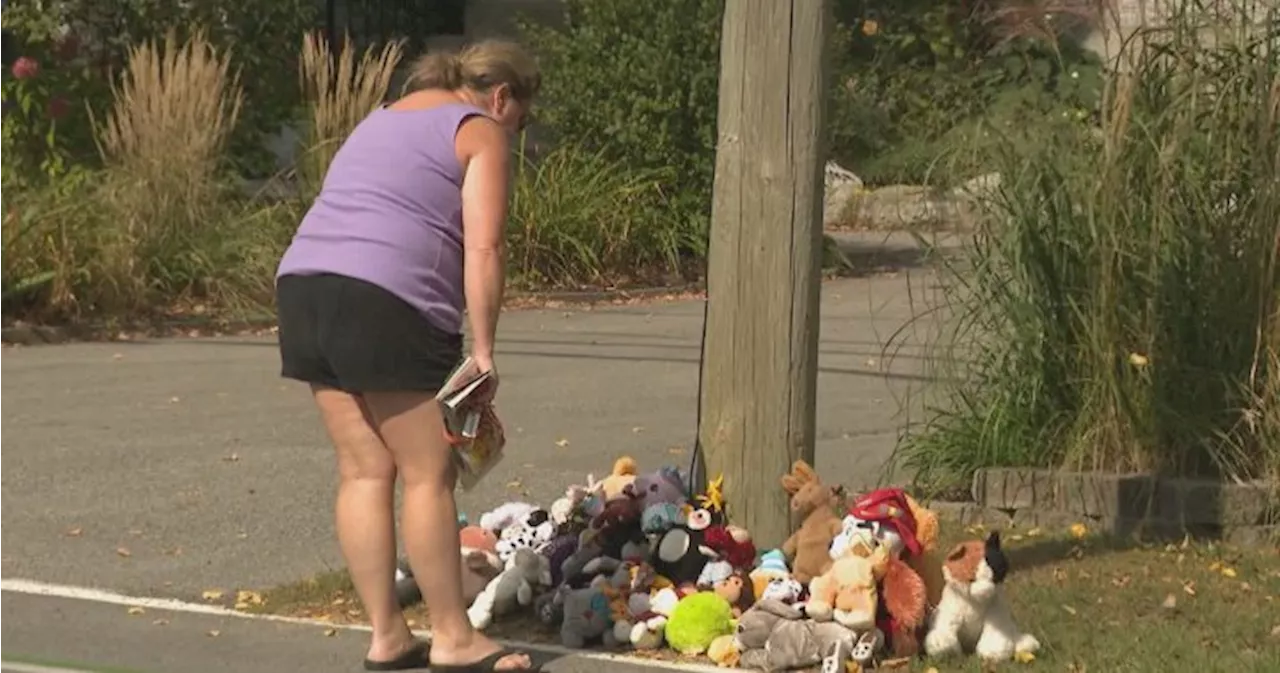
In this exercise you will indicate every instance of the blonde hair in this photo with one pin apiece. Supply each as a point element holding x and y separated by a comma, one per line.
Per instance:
<point>480,67</point>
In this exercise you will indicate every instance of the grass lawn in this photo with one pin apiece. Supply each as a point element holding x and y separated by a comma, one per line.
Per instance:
<point>1097,605</point>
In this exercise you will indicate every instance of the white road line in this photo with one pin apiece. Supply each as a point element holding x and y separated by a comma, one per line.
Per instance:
<point>35,588</point>
<point>18,667</point>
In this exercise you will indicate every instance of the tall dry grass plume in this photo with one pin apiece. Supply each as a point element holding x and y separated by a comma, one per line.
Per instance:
<point>161,198</point>
<point>173,111</point>
<point>340,92</point>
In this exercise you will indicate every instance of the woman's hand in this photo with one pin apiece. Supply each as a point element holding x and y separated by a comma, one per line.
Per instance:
<point>486,392</point>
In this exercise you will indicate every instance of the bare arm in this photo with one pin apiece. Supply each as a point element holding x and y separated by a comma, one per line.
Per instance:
<point>485,186</point>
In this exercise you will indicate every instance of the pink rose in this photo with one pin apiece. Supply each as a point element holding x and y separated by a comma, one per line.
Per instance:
<point>25,68</point>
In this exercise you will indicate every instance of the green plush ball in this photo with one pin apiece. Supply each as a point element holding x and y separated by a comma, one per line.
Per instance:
<point>697,620</point>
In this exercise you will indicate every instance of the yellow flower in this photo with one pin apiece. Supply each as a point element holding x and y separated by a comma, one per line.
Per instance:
<point>1079,530</point>
<point>870,28</point>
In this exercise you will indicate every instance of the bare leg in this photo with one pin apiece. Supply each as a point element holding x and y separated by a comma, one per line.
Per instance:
<point>412,428</point>
<point>364,516</point>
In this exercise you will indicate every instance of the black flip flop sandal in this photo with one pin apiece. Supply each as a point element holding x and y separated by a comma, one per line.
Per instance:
<point>416,657</point>
<point>488,664</point>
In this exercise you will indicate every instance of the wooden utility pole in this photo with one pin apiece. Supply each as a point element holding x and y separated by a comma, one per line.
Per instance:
<point>761,360</point>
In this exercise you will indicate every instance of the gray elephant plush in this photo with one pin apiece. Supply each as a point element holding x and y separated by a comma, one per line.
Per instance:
<point>776,636</point>
<point>586,618</point>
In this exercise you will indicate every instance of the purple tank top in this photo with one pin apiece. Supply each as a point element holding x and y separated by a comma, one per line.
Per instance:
<point>390,212</point>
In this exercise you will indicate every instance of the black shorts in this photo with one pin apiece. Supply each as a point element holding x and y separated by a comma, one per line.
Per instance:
<point>344,333</point>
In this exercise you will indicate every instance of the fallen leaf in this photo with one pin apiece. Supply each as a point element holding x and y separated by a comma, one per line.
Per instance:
<point>160,622</point>
<point>1215,566</point>
<point>212,594</point>
<point>339,601</point>
<point>74,532</point>
<point>135,610</point>
<point>330,632</point>
<point>1189,588</point>
<point>1229,572</point>
<point>1059,574</point>
<point>242,536</point>
<point>411,623</point>
<point>561,443</point>
<point>1170,602</point>
<point>675,450</point>
<point>1070,610</point>
<point>213,634</point>
<point>1122,581</point>
<point>514,484</point>
<point>117,356</point>
<point>931,669</point>
<point>637,429</point>
<point>123,551</point>
<point>1034,532</point>
<point>246,599</point>
<point>235,457</point>
<point>901,662</point>
<point>174,400</point>
<point>1016,538</point>
<point>1024,657</point>
<point>1275,631</point>
<point>1246,587</point>
<point>1078,530</point>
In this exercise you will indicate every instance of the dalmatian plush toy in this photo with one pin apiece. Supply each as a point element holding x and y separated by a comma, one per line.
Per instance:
<point>532,531</point>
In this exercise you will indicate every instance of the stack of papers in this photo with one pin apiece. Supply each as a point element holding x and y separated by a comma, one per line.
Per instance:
<point>471,425</point>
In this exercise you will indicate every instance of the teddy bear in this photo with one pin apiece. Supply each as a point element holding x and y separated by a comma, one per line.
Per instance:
<point>664,485</point>
<point>480,564</point>
<point>847,592</point>
<point>634,620</point>
<point>816,504</point>
<point>525,571</point>
<point>973,614</point>
<point>566,511</point>
<point>771,567</point>
<point>885,519</point>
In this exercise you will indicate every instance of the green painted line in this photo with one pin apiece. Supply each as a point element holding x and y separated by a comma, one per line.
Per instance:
<point>36,664</point>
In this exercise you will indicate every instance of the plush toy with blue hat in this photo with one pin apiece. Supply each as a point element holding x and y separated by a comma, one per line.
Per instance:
<point>772,578</point>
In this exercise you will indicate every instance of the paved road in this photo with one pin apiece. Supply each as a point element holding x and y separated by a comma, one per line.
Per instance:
<point>77,636</point>
<point>162,468</point>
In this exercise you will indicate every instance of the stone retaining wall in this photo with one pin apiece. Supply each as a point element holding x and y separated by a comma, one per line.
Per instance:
<point>1247,514</point>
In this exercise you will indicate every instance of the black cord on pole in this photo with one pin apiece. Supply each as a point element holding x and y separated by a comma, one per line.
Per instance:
<point>696,464</point>
<point>697,480</point>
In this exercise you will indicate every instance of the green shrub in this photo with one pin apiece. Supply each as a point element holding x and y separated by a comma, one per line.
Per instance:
<point>160,224</point>
<point>637,82</point>
<point>85,42</point>
<point>581,218</point>
<point>1120,308</point>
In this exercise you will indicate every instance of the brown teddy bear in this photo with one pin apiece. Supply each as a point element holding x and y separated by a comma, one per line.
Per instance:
<point>808,548</point>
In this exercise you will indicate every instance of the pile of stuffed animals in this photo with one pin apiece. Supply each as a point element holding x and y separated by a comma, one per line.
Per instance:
<point>635,561</point>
